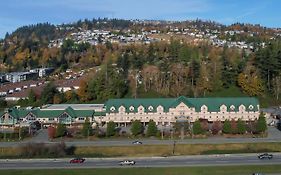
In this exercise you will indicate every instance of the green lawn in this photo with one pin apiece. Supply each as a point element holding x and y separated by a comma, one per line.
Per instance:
<point>221,170</point>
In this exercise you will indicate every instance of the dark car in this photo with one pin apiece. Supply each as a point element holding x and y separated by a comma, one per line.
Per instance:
<point>265,156</point>
<point>77,160</point>
<point>136,142</point>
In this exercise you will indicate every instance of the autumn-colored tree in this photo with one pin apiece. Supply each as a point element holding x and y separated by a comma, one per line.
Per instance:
<point>203,82</point>
<point>83,91</point>
<point>57,99</point>
<point>233,124</point>
<point>216,127</point>
<point>250,84</point>
<point>204,125</point>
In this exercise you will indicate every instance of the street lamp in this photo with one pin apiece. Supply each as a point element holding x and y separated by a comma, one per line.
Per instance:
<point>19,132</point>
<point>174,147</point>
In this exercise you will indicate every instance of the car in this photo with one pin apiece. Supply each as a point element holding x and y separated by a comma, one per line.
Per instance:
<point>136,142</point>
<point>77,160</point>
<point>265,156</point>
<point>127,162</point>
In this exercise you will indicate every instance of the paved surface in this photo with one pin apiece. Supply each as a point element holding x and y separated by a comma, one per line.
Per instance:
<point>211,160</point>
<point>41,136</point>
<point>273,136</point>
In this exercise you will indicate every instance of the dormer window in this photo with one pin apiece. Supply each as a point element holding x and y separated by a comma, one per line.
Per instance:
<point>223,108</point>
<point>131,108</point>
<point>251,107</point>
<point>159,109</point>
<point>204,108</point>
<point>150,108</point>
<point>232,107</point>
<point>242,108</point>
<point>112,108</point>
<point>140,108</point>
<point>121,109</point>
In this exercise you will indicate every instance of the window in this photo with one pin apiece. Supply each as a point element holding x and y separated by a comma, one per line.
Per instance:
<point>150,108</point>
<point>131,108</point>
<point>251,107</point>
<point>232,107</point>
<point>112,108</point>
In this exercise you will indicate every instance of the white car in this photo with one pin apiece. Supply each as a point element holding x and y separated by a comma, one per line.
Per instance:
<point>127,162</point>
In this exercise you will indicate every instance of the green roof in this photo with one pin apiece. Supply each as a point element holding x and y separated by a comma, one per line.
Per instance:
<point>21,113</point>
<point>213,104</point>
<point>145,102</point>
<point>99,113</point>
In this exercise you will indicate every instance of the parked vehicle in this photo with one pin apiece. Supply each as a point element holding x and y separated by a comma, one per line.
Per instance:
<point>77,160</point>
<point>265,156</point>
<point>136,142</point>
<point>127,162</point>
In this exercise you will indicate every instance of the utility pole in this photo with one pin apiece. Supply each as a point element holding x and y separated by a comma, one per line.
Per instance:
<point>174,147</point>
<point>88,134</point>
<point>19,133</point>
<point>162,133</point>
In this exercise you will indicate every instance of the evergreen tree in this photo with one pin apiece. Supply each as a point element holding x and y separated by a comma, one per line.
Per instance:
<point>48,93</point>
<point>87,128</point>
<point>197,128</point>
<point>136,128</point>
<point>151,129</point>
<point>261,125</point>
<point>3,103</point>
<point>226,127</point>
<point>241,127</point>
<point>61,130</point>
<point>31,97</point>
<point>110,129</point>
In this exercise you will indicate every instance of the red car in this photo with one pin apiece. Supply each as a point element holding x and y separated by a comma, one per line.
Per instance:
<point>77,160</point>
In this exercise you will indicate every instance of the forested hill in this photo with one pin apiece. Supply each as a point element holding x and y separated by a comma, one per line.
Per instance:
<point>135,58</point>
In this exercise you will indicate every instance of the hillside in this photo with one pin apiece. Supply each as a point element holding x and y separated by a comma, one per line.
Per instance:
<point>136,58</point>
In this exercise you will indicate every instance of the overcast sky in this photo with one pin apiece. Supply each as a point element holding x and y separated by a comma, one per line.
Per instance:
<point>16,13</point>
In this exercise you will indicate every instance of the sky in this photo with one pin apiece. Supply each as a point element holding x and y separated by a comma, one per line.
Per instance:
<point>16,13</point>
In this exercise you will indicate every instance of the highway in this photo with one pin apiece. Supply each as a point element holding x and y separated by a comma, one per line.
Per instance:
<point>209,160</point>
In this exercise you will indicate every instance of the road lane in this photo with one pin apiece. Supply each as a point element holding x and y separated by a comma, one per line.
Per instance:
<point>219,160</point>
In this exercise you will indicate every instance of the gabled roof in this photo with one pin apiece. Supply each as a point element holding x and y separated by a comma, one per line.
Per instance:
<point>213,104</point>
<point>21,113</point>
<point>181,99</point>
<point>145,102</point>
